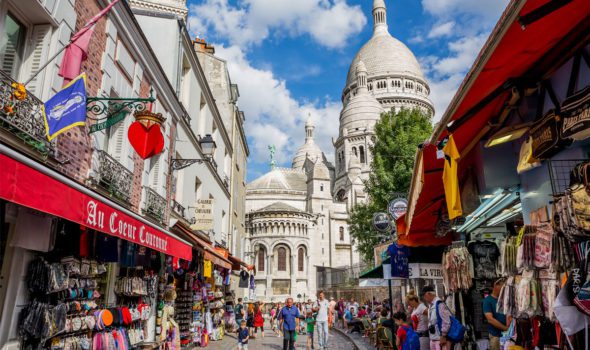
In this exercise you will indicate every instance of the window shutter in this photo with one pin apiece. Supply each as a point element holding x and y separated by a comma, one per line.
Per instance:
<point>155,172</point>
<point>116,141</point>
<point>38,54</point>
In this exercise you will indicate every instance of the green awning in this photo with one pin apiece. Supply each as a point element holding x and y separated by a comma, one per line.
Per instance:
<point>376,272</point>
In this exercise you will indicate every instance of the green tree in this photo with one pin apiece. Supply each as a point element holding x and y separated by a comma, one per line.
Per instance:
<point>397,136</point>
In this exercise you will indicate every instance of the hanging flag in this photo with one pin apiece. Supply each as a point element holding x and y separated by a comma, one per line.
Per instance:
<point>77,49</point>
<point>66,109</point>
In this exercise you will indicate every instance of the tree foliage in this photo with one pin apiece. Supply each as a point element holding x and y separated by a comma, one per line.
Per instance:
<point>397,136</point>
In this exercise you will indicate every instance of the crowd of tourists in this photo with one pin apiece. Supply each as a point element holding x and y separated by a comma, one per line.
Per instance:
<point>422,322</point>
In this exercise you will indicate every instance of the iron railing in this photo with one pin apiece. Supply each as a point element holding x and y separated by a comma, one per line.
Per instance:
<point>21,114</point>
<point>178,208</point>
<point>155,205</point>
<point>113,177</point>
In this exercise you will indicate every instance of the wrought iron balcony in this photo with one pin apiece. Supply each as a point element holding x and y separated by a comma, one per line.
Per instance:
<point>155,205</point>
<point>177,208</point>
<point>21,115</point>
<point>226,182</point>
<point>112,176</point>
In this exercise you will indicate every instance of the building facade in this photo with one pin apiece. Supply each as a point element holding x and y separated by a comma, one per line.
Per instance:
<point>297,217</point>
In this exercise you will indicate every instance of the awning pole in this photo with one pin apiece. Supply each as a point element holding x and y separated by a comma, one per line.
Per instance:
<point>390,299</point>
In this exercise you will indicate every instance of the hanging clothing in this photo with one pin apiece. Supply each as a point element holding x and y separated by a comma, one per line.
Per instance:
<point>244,278</point>
<point>252,285</point>
<point>450,179</point>
<point>485,256</point>
<point>399,260</point>
<point>207,267</point>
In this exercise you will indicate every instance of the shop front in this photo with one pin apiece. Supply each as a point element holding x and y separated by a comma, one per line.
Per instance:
<point>504,180</point>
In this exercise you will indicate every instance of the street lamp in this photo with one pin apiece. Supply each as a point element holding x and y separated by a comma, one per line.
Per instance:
<point>208,147</point>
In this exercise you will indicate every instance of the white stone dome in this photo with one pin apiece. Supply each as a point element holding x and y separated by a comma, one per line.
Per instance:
<point>361,112</point>
<point>384,55</point>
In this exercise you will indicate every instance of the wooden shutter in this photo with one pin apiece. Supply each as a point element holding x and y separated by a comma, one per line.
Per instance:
<point>116,140</point>
<point>38,53</point>
<point>155,171</point>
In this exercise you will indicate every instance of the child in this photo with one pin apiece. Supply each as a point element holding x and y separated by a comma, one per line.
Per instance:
<point>243,336</point>
<point>310,321</point>
<point>347,318</point>
<point>406,337</point>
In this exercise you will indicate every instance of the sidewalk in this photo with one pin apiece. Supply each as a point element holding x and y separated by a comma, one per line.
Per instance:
<point>356,338</point>
<point>229,342</point>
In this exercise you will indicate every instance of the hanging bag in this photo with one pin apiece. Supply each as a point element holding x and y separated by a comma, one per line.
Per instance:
<point>456,331</point>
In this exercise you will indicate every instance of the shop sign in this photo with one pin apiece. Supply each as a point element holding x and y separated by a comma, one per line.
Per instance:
<point>59,199</point>
<point>426,271</point>
<point>545,136</point>
<point>381,222</point>
<point>576,118</point>
<point>397,208</point>
<point>203,215</point>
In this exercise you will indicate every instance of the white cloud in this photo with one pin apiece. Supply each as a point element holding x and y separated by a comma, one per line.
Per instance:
<point>273,115</point>
<point>487,8</point>
<point>441,29</point>
<point>329,22</point>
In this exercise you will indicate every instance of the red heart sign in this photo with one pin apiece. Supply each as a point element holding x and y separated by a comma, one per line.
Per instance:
<point>146,141</point>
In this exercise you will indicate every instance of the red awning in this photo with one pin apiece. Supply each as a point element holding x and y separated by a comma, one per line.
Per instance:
<point>510,52</point>
<point>237,263</point>
<point>31,188</point>
<point>209,252</point>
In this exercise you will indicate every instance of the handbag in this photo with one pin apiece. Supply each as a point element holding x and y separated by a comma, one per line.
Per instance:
<point>456,331</point>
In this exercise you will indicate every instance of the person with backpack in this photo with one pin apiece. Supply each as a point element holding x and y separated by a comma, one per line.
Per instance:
<point>239,313</point>
<point>497,322</point>
<point>439,320</point>
<point>406,338</point>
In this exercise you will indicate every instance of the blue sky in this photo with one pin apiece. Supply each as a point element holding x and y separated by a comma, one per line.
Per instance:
<point>290,57</point>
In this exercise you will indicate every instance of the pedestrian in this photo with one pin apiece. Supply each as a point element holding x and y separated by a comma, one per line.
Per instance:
<point>362,312</point>
<point>331,312</point>
<point>438,336</point>
<point>419,319</point>
<point>250,320</point>
<point>406,338</point>
<point>322,308</point>
<point>243,336</point>
<point>279,331</point>
<point>341,307</point>
<point>347,318</point>
<point>497,322</point>
<point>239,313</point>
<point>258,319</point>
<point>272,317</point>
<point>355,306</point>
<point>288,317</point>
<point>310,321</point>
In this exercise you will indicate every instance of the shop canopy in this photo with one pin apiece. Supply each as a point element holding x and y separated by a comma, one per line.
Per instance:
<point>237,264</point>
<point>376,272</point>
<point>531,38</point>
<point>209,252</point>
<point>46,190</point>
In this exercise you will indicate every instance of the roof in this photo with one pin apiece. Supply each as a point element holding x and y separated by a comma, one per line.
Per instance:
<point>512,51</point>
<point>279,206</point>
<point>280,179</point>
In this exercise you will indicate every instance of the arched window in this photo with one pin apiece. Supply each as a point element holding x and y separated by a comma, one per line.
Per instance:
<point>300,259</point>
<point>362,152</point>
<point>341,231</point>
<point>282,257</point>
<point>354,151</point>
<point>261,258</point>
<point>322,187</point>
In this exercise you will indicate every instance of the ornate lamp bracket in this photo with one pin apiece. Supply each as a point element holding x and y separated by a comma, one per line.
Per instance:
<point>178,164</point>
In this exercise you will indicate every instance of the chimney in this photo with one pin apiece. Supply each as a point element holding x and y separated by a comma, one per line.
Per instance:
<point>200,45</point>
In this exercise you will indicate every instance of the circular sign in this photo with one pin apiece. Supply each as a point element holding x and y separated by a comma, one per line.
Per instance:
<point>397,207</point>
<point>381,222</point>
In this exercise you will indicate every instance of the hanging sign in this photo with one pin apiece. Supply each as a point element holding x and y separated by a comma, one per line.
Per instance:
<point>576,115</point>
<point>203,215</point>
<point>397,207</point>
<point>145,134</point>
<point>381,222</point>
<point>118,115</point>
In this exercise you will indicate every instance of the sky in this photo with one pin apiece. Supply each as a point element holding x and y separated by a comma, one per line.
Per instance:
<point>290,58</point>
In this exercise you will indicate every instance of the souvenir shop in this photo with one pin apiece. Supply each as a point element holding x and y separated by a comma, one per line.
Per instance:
<point>81,272</point>
<point>505,186</point>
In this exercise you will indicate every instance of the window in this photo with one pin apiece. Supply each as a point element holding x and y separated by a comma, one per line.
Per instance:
<point>300,259</point>
<point>261,258</point>
<point>322,190</point>
<point>12,45</point>
<point>341,232</point>
<point>354,151</point>
<point>362,152</point>
<point>419,88</point>
<point>282,259</point>
<point>409,85</point>
<point>197,189</point>
<point>396,84</point>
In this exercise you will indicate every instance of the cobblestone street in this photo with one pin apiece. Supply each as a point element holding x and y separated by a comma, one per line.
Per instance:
<point>272,342</point>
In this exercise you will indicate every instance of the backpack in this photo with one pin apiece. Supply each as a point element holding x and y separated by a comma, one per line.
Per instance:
<point>456,330</point>
<point>412,341</point>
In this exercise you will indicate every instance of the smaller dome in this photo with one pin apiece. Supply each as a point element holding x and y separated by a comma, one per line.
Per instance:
<point>279,179</point>
<point>308,150</point>
<point>361,68</point>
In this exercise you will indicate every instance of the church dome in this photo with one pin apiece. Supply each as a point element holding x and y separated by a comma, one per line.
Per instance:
<point>279,179</point>
<point>309,149</point>
<point>384,55</point>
